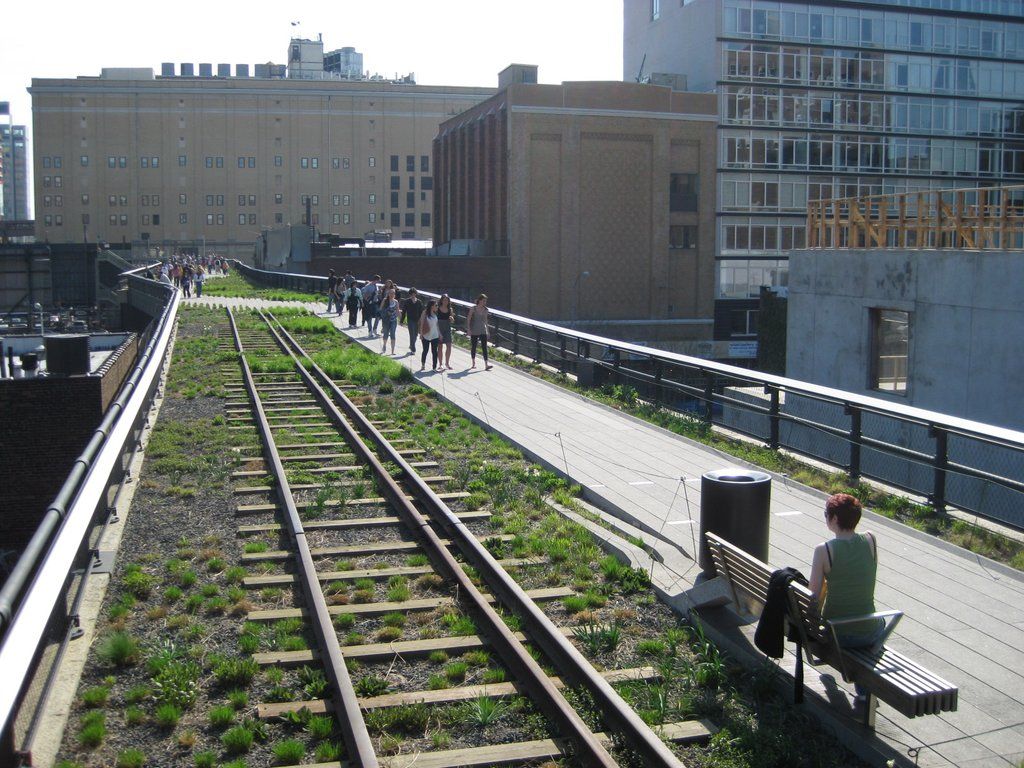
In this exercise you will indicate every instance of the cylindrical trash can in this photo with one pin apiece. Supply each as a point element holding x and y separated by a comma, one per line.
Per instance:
<point>734,504</point>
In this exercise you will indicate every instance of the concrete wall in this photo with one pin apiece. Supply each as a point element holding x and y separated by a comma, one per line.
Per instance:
<point>680,41</point>
<point>967,320</point>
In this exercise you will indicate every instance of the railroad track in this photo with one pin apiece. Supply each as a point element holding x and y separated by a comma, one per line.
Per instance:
<point>333,482</point>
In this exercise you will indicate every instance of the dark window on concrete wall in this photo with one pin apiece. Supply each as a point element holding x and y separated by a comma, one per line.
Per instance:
<point>890,350</point>
<point>683,236</point>
<point>683,190</point>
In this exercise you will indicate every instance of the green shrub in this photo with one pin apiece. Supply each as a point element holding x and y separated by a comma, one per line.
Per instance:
<point>93,730</point>
<point>238,700</point>
<point>131,758</point>
<point>206,759</point>
<point>177,684</point>
<point>237,740</point>
<point>320,726</point>
<point>118,649</point>
<point>371,685</point>
<point>138,583</point>
<point>288,752</point>
<point>95,697</point>
<point>167,716</point>
<point>235,673</point>
<point>134,715</point>
<point>344,621</point>
<point>222,716</point>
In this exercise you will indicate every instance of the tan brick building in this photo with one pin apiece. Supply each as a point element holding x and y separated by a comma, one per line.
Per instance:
<point>192,162</point>
<point>601,193</point>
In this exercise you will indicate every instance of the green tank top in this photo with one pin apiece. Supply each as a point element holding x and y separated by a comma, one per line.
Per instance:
<point>850,584</point>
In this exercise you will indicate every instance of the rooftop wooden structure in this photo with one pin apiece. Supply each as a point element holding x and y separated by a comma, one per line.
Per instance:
<point>986,218</point>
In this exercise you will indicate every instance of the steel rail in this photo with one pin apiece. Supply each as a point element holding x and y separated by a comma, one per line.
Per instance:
<point>537,625</point>
<point>353,728</point>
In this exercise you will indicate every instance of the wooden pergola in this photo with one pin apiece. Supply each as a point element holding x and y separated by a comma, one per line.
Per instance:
<point>983,218</point>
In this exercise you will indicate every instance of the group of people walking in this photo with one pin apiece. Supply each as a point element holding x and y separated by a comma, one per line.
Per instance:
<point>429,323</point>
<point>189,272</point>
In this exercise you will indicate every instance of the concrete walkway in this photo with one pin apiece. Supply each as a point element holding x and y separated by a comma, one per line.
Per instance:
<point>964,615</point>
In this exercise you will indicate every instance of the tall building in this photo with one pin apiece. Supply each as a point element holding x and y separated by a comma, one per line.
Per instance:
<point>600,193</point>
<point>818,100</point>
<point>209,161</point>
<point>15,172</point>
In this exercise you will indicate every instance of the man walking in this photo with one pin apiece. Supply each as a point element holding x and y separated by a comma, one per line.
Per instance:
<point>370,305</point>
<point>412,309</point>
<point>332,292</point>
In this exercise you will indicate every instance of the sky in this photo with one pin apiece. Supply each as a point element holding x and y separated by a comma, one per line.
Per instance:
<point>444,42</point>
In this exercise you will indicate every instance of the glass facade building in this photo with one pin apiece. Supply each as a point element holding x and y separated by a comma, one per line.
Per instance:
<point>823,100</point>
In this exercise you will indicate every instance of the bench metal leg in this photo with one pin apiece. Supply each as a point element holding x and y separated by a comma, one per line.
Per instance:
<point>798,676</point>
<point>870,705</point>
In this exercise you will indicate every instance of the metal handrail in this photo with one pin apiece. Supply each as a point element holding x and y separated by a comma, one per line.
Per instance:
<point>624,360</point>
<point>30,596</point>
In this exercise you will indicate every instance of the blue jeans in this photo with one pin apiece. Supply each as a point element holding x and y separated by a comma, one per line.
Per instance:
<point>388,328</point>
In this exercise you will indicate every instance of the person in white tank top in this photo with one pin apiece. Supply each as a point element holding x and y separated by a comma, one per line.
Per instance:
<point>431,335</point>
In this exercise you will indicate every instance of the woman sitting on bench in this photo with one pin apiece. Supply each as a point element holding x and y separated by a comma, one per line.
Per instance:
<point>843,576</point>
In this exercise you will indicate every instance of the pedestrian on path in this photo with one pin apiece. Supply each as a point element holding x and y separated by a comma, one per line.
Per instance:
<point>332,292</point>
<point>370,302</point>
<point>353,298</point>
<point>200,279</point>
<point>389,320</point>
<point>843,576</point>
<point>431,336</point>
<point>476,327</point>
<point>412,309</point>
<point>445,321</point>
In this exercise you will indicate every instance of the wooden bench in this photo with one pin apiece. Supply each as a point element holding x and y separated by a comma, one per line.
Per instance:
<point>886,674</point>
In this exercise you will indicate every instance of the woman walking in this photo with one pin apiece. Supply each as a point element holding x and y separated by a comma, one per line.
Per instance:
<point>353,298</point>
<point>476,326</point>
<point>445,321</point>
<point>389,320</point>
<point>431,335</point>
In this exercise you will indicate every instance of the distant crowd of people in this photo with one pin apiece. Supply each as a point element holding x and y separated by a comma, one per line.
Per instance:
<point>189,271</point>
<point>430,323</point>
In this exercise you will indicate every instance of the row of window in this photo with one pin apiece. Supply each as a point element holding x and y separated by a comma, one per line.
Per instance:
<point>873,154</point>
<point>53,181</point>
<point>410,164</point>
<point>211,161</point>
<point>217,219</point>
<point>872,29</point>
<point>410,220</point>
<point>426,182</point>
<point>754,192</point>
<point>743,105</point>
<point>868,69</point>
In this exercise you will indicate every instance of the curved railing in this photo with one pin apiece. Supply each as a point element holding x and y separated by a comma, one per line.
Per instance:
<point>973,466</point>
<point>39,602</point>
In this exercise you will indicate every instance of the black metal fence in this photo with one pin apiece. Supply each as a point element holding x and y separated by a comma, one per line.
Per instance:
<point>39,603</point>
<point>973,466</point>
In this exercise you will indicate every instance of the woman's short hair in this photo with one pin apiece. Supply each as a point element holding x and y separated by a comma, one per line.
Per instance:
<point>845,508</point>
<point>480,297</point>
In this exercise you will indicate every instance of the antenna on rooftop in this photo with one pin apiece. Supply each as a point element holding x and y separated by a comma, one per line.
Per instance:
<point>640,74</point>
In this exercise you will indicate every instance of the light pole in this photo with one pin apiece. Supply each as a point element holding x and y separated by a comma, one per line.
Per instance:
<point>576,295</point>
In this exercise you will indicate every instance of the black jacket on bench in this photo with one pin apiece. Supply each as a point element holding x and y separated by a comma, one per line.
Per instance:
<point>768,636</point>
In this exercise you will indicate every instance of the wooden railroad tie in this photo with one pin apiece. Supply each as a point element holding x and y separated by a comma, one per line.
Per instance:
<point>355,522</point>
<point>284,579</point>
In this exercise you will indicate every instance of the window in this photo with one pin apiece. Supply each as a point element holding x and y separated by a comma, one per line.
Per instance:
<point>47,162</point>
<point>145,219</point>
<point>209,162</point>
<point>278,199</point>
<point>410,199</point>
<point>155,200</point>
<point>241,162</point>
<point>209,199</point>
<point>373,218</point>
<point>424,163</point>
<point>426,182</point>
<point>111,162</point>
<point>278,218</point>
<point>58,181</point>
<point>59,201</point>
<point>220,218</point>
<point>335,218</point>
<point>890,348</point>
<point>154,162</point>
<point>183,218</point>
<point>220,199</point>
<point>345,200</point>
<point>252,199</point>
<point>655,10</point>
<point>316,199</point>
<point>314,162</point>
<point>122,161</point>
<point>122,200</point>
<point>424,219</point>
<point>335,200</point>
<point>278,161</point>
<point>85,219</point>
<point>410,219</point>
<point>84,160</point>
<point>410,163</point>
<point>123,219</point>
<point>182,161</point>
<point>252,219</point>
<point>144,200</point>
<point>58,220</point>
<point>252,162</point>
<point>335,164</point>
<point>209,218</point>
<point>113,219</point>
<point>394,199</point>
<point>316,219</point>
<point>156,219</point>
<point>683,189</point>
<point>682,236</point>
<point>85,199</point>
<point>412,182</point>
<point>396,182</point>
<point>345,163</point>
<point>241,200</point>
<point>396,220</point>
<point>373,162</point>
<point>346,218</point>
<point>57,161</point>
<point>48,220</point>
<point>394,163</point>
<point>304,162</point>
<point>371,198</point>
<point>743,322</point>
<point>241,218</point>
<point>113,200</point>
<point>47,201</point>
<point>144,162</point>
